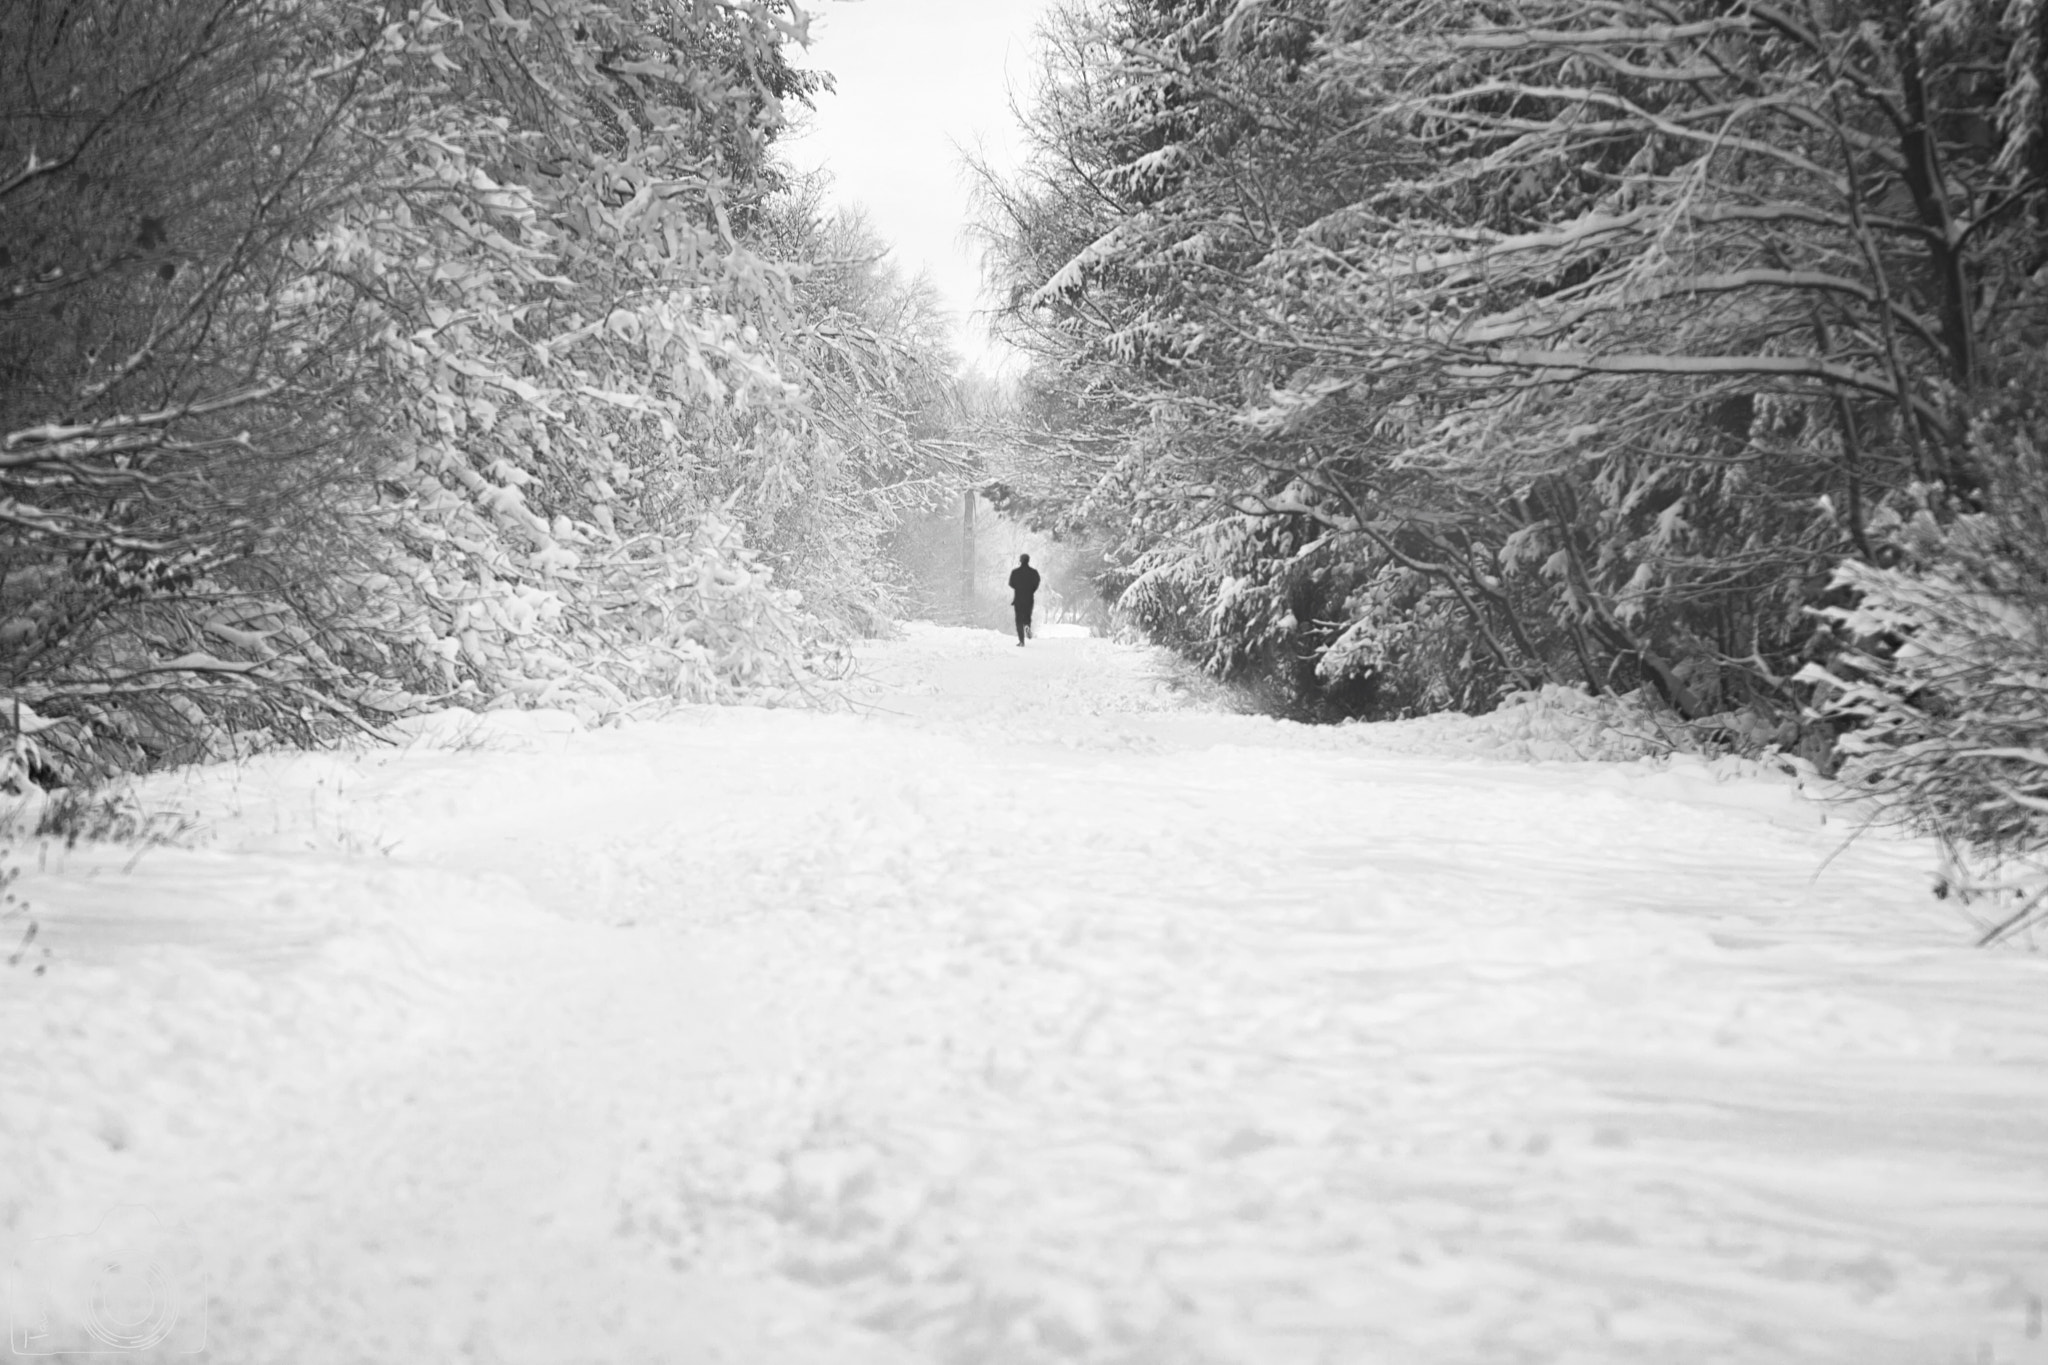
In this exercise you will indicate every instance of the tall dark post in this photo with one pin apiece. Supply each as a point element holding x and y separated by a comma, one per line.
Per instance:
<point>967,557</point>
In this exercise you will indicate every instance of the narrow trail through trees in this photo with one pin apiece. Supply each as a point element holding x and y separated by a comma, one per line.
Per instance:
<point>1034,1014</point>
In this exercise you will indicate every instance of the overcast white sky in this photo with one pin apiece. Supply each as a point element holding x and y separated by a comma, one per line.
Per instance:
<point>917,80</point>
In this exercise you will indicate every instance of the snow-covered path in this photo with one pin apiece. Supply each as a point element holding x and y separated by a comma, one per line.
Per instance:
<point>1035,1016</point>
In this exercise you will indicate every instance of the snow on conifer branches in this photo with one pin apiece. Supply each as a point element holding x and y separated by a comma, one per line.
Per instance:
<point>1563,343</point>
<point>1944,689</point>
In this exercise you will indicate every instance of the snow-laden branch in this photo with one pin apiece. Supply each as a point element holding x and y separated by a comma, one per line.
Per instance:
<point>1635,35</point>
<point>1071,278</point>
<point>53,440</point>
<point>1784,366</point>
<point>1544,316</point>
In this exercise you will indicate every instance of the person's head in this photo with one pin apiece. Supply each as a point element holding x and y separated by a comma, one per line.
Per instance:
<point>1023,559</point>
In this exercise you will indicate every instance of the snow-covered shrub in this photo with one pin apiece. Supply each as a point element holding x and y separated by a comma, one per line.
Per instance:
<point>1547,724</point>
<point>1944,686</point>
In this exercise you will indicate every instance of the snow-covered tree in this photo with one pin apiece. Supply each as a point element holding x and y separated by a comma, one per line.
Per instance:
<point>869,443</point>
<point>1446,346</point>
<point>410,354</point>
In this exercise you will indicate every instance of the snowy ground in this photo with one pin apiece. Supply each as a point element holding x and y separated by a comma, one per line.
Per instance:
<point>1037,1015</point>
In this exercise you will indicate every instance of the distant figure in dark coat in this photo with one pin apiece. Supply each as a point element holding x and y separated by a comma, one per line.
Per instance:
<point>1024,587</point>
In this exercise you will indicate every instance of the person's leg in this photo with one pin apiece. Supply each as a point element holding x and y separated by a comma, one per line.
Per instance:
<point>1023,620</point>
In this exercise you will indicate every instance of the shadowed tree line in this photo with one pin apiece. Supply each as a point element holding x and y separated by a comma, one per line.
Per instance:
<point>358,357</point>
<point>1417,351</point>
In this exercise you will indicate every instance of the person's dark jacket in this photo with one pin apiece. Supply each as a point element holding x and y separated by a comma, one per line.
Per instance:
<point>1024,583</point>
